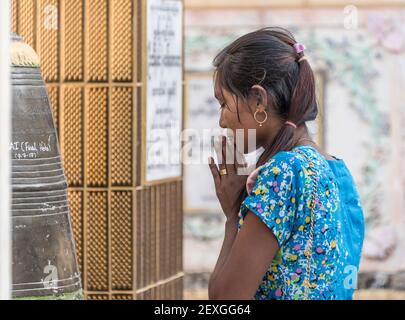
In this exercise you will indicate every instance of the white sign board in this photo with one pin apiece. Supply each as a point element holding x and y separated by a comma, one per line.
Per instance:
<point>164,96</point>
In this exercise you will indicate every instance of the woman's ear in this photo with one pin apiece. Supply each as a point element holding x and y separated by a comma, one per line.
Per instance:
<point>259,97</point>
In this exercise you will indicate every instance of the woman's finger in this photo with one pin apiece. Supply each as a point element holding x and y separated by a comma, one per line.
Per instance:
<point>228,156</point>
<point>240,162</point>
<point>214,171</point>
<point>218,151</point>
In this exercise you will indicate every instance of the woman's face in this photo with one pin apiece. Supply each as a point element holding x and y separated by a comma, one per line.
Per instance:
<point>246,124</point>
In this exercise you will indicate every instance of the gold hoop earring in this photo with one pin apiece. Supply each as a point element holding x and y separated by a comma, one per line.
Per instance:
<point>265,117</point>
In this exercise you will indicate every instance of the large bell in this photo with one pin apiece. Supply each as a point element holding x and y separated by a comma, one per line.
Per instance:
<point>44,259</point>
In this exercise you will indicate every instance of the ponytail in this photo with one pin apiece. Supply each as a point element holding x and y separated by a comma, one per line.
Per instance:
<point>302,108</point>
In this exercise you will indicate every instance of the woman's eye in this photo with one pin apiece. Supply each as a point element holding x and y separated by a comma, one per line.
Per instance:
<point>222,105</point>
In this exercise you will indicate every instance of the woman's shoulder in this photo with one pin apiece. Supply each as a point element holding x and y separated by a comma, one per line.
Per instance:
<point>290,166</point>
<point>282,170</point>
<point>286,161</point>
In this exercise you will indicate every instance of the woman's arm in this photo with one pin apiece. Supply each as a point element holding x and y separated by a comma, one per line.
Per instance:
<point>230,234</point>
<point>245,255</point>
<point>244,259</point>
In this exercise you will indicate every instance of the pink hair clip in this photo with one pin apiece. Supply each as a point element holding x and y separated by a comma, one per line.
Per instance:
<point>299,47</point>
<point>292,124</point>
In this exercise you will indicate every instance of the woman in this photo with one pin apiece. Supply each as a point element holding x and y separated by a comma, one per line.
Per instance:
<point>295,228</point>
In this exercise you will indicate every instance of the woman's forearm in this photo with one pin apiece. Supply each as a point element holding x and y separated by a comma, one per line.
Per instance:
<point>229,238</point>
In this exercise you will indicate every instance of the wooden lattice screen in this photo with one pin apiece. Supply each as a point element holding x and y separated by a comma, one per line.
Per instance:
<point>128,235</point>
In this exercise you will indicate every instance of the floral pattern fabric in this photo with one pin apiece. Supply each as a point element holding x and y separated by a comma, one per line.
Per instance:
<point>280,194</point>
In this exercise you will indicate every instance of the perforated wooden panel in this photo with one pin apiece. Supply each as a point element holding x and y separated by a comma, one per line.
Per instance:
<point>121,240</point>
<point>122,116</point>
<point>96,137</point>
<point>72,134</point>
<point>76,211</point>
<point>128,236</point>
<point>73,57</point>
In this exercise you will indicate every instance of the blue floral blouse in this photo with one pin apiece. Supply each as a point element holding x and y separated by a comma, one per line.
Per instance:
<point>281,198</point>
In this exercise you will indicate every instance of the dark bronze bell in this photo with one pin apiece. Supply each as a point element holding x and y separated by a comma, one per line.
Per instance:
<point>43,255</point>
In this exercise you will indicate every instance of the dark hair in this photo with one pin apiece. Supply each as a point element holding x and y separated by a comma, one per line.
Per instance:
<point>267,57</point>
